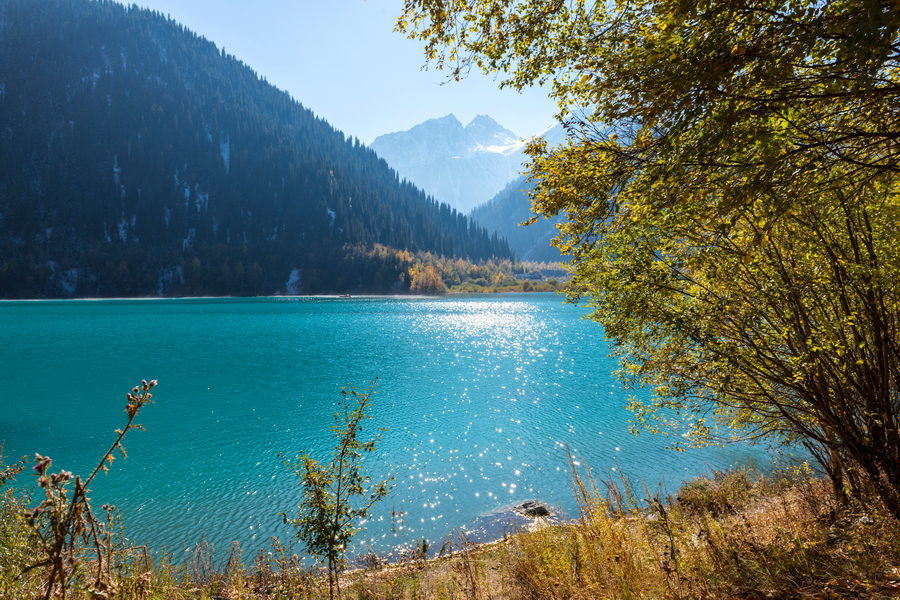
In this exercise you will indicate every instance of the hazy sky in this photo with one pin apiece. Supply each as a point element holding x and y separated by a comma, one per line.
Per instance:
<point>342,59</point>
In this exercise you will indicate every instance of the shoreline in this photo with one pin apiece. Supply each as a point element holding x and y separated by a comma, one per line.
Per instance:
<point>335,296</point>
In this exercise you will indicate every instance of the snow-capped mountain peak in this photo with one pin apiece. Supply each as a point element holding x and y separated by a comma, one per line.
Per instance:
<point>460,165</point>
<point>488,133</point>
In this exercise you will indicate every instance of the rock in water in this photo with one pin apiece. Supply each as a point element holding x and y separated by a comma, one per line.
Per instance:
<point>533,508</point>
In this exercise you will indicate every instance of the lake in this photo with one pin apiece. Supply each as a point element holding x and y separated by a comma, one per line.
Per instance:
<point>480,395</point>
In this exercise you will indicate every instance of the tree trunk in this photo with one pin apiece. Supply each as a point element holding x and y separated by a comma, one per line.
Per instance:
<point>836,475</point>
<point>887,491</point>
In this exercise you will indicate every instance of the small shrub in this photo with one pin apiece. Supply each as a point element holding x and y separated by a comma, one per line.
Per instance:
<point>723,493</point>
<point>337,494</point>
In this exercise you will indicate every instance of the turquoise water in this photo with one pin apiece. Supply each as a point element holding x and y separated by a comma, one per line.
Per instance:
<point>480,396</point>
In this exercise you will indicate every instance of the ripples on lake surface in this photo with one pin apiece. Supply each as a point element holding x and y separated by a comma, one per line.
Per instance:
<point>480,396</point>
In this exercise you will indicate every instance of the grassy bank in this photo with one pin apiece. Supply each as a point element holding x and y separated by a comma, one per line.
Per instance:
<point>731,535</point>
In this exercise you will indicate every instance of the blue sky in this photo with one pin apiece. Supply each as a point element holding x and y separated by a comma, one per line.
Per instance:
<point>342,59</point>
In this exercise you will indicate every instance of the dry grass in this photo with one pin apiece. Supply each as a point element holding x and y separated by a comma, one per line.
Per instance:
<point>730,535</point>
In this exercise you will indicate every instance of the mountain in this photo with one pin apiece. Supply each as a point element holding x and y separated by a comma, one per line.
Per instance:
<point>138,159</point>
<point>503,214</point>
<point>461,165</point>
<point>476,168</point>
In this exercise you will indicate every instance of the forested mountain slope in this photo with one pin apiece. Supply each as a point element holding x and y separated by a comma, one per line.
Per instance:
<point>138,159</point>
<point>503,215</point>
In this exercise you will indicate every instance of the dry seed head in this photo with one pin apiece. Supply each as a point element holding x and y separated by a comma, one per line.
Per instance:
<point>42,463</point>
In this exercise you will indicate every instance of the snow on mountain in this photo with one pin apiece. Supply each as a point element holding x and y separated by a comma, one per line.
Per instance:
<point>463,166</point>
<point>491,136</point>
<point>503,213</point>
<point>477,169</point>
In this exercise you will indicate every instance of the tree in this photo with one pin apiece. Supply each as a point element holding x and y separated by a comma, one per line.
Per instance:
<point>337,494</point>
<point>731,202</point>
<point>425,279</point>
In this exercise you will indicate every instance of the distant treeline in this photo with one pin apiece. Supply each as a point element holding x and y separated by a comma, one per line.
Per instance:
<point>427,273</point>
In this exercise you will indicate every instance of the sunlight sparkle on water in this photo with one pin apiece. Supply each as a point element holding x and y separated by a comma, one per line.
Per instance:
<point>481,396</point>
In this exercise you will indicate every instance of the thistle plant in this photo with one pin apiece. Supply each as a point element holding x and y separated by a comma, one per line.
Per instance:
<point>337,494</point>
<point>65,524</point>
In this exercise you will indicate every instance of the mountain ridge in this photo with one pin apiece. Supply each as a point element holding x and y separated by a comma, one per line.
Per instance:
<point>504,212</point>
<point>449,159</point>
<point>462,165</point>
